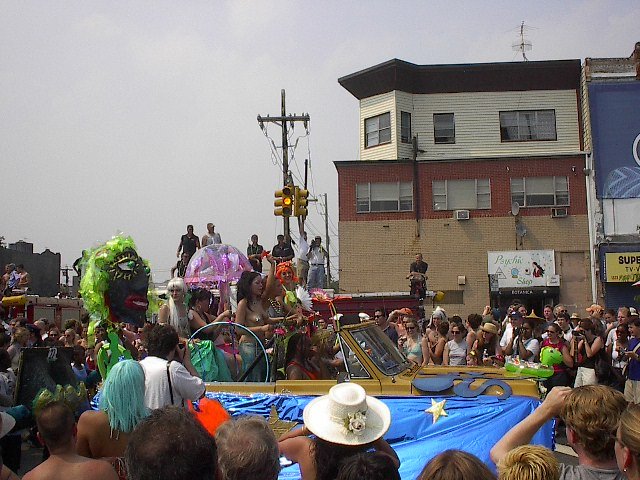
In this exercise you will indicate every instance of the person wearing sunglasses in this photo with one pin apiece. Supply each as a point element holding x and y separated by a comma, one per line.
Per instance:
<point>385,325</point>
<point>560,377</point>
<point>455,350</point>
<point>411,344</point>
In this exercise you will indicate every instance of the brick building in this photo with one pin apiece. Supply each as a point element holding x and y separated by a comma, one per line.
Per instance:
<point>480,168</point>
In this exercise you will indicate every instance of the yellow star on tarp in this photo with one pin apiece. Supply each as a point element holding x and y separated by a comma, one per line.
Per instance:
<point>437,409</point>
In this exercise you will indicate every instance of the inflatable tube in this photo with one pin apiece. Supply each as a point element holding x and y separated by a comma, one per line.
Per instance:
<point>15,301</point>
<point>529,368</point>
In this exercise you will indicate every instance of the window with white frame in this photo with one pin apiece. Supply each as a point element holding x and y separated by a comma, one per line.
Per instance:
<point>405,127</point>
<point>377,130</point>
<point>527,125</point>
<point>444,128</point>
<point>384,197</point>
<point>461,194</point>
<point>540,191</point>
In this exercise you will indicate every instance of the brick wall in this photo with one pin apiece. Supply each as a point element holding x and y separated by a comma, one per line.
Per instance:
<point>500,171</point>
<point>375,255</point>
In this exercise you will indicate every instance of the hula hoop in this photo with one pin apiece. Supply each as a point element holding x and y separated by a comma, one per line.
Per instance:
<point>259,342</point>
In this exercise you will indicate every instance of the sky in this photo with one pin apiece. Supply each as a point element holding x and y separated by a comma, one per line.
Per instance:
<point>140,117</point>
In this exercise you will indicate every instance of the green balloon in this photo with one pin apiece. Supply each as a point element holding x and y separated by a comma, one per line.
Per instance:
<point>550,356</point>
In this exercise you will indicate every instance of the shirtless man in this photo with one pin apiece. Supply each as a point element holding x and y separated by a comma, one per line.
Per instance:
<point>24,281</point>
<point>211,237</point>
<point>57,429</point>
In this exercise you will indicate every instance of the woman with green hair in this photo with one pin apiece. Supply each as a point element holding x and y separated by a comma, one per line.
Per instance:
<point>105,433</point>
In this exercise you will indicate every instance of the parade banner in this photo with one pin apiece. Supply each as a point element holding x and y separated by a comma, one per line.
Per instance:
<point>522,268</point>
<point>622,267</point>
<point>417,435</point>
<point>615,126</point>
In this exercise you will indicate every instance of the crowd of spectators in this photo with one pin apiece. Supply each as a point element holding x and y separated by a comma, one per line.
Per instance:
<point>599,347</point>
<point>143,428</point>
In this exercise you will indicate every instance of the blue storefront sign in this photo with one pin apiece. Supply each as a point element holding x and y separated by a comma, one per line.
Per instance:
<point>615,127</point>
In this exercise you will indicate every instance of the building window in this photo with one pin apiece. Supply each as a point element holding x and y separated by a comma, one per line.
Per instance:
<point>377,130</point>
<point>540,191</point>
<point>461,194</point>
<point>384,197</point>
<point>526,125</point>
<point>405,127</point>
<point>444,128</point>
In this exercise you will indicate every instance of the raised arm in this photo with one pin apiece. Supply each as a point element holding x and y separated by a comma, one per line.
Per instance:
<point>523,432</point>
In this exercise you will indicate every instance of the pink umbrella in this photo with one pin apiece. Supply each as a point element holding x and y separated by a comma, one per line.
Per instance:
<point>216,265</point>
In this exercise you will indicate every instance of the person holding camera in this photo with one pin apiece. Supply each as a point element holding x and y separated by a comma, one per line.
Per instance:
<point>317,259</point>
<point>169,375</point>
<point>587,345</point>
<point>523,345</point>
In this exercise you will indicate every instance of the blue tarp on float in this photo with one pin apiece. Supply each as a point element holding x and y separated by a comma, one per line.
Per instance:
<point>471,424</point>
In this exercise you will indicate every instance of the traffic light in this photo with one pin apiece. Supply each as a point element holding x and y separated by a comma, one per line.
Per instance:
<point>300,206</point>
<point>284,202</point>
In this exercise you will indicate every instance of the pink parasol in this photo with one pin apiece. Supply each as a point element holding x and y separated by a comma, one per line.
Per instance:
<point>216,265</point>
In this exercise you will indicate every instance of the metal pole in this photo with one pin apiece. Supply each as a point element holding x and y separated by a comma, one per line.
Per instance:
<point>326,233</point>
<point>285,157</point>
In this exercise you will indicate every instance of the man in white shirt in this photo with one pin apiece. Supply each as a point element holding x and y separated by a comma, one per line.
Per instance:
<point>169,376</point>
<point>624,315</point>
<point>303,255</point>
<point>515,321</point>
<point>317,259</point>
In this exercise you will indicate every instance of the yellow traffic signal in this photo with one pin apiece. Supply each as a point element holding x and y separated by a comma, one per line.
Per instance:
<point>283,202</point>
<point>300,207</point>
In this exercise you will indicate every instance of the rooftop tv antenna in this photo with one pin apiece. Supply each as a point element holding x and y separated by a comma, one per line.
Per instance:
<point>523,45</point>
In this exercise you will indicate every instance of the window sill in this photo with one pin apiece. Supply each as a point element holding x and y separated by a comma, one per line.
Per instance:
<point>378,145</point>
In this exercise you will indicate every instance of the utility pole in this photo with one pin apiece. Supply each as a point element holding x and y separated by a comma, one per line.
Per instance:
<point>326,234</point>
<point>282,121</point>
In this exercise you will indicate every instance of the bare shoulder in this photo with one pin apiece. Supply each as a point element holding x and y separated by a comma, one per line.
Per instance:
<point>296,448</point>
<point>101,470</point>
<point>91,417</point>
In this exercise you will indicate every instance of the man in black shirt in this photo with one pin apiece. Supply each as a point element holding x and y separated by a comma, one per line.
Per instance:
<point>282,252</point>
<point>189,242</point>
<point>181,266</point>
<point>254,253</point>
<point>417,276</point>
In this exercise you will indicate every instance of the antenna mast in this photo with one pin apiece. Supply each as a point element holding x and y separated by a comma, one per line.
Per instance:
<point>523,45</point>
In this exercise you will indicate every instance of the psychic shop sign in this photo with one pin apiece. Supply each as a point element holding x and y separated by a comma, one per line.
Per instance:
<point>622,267</point>
<point>522,268</point>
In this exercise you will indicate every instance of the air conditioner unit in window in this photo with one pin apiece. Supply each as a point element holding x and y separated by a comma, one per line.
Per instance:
<point>462,215</point>
<point>558,212</point>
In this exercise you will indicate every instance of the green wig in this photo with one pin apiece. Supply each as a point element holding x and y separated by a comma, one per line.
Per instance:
<point>95,276</point>
<point>122,396</point>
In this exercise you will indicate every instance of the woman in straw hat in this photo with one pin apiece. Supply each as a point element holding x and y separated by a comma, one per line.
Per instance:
<point>345,422</point>
<point>486,349</point>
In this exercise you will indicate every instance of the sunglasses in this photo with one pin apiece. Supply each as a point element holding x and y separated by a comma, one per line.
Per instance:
<point>455,332</point>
